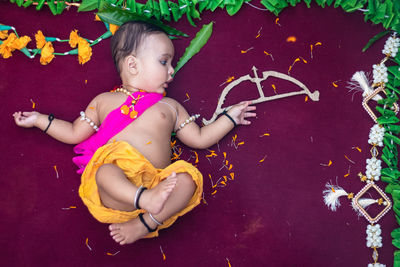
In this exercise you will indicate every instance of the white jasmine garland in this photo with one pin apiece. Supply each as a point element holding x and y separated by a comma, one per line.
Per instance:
<point>373,168</point>
<point>380,73</point>
<point>391,46</point>
<point>376,135</point>
<point>376,265</point>
<point>374,239</point>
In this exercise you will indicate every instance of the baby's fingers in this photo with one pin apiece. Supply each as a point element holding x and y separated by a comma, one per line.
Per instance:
<point>250,114</point>
<point>250,108</point>
<point>245,122</point>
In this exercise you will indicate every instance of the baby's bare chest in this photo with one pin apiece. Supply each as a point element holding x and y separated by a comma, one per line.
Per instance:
<point>156,122</point>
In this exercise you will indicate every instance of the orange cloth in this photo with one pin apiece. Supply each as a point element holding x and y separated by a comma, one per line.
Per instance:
<point>140,172</point>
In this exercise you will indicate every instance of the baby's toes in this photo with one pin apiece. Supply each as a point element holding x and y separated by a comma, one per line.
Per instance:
<point>118,238</point>
<point>114,226</point>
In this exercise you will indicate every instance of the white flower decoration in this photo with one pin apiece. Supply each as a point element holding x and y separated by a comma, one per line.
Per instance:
<point>391,46</point>
<point>373,168</point>
<point>380,73</point>
<point>376,135</point>
<point>374,239</point>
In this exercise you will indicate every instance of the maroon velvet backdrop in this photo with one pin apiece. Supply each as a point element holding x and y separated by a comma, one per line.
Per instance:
<point>271,214</point>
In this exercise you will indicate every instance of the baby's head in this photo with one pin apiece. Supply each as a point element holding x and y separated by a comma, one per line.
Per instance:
<point>143,54</point>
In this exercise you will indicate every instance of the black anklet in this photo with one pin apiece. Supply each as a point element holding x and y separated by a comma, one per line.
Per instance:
<point>138,195</point>
<point>145,224</point>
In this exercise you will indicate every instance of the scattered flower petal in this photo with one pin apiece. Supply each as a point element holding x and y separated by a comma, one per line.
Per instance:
<point>113,254</point>
<point>291,39</point>
<point>33,104</point>
<point>349,159</point>
<point>163,254</point>
<point>187,97</point>
<point>87,244</point>
<point>245,51</point>
<point>55,168</point>
<point>327,165</point>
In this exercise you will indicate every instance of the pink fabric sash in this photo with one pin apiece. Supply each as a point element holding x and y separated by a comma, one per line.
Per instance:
<point>112,125</point>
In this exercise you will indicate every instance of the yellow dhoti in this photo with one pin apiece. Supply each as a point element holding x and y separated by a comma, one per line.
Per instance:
<point>140,172</point>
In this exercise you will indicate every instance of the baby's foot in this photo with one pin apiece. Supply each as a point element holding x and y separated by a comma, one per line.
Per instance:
<point>153,200</point>
<point>127,232</point>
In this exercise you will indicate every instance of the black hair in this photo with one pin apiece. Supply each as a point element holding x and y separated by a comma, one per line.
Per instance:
<point>128,38</point>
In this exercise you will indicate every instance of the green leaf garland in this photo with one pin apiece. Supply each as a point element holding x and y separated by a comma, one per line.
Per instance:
<point>196,44</point>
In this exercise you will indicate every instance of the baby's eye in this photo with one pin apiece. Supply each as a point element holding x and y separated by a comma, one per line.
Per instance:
<point>163,62</point>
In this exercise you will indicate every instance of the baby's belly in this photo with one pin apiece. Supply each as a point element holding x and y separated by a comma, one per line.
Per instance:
<point>155,148</point>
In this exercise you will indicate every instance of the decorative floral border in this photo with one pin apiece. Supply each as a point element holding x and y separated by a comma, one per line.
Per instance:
<point>115,12</point>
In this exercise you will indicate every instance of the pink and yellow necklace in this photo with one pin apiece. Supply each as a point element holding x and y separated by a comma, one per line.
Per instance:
<point>129,110</point>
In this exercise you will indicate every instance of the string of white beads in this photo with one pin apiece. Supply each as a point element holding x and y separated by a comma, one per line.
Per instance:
<point>376,265</point>
<point>391,46</point>
<point>91,123</point>
<point>374,239</point>
<point>376,135</point>
<point>373,168</point>
<point>380,73</point>
<point>187,121</point>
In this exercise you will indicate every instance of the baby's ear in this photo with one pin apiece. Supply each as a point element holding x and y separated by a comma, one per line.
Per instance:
<point>131,64</point>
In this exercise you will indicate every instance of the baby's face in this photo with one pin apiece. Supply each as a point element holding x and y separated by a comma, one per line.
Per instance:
<point>154,58</point>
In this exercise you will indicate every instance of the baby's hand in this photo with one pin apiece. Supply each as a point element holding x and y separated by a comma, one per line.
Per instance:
<point>240,112</point>
<point>25,119</point>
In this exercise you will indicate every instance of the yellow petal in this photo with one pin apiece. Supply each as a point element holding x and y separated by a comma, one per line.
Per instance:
<point>3,34</point>
<point>46,55</point>
<point>21,42</point>
<point>113,28</point>
<point>291,39</point>
<point>73,38</point>
<point>40,40</point>
<point>84,51</point>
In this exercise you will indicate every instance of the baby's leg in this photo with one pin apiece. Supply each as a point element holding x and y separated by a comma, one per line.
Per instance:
<point>118,193</point>
<point>129,232</point>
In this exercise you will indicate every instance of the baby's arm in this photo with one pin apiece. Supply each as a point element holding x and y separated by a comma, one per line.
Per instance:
<point>64,131</point>
<point>206,136</point>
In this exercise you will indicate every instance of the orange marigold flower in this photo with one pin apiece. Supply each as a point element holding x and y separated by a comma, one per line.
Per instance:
<point>3,34</point>
<point>74,38</point>
<point>40,40</point>
<point>47,53</point>
<point>84,51</point>
<point>113,28</point>
<point>7,46</point>
<point>21,42</point>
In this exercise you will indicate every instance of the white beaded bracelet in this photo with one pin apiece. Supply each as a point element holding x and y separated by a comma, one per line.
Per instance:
<point>187,121</point>
<point>91,123</point>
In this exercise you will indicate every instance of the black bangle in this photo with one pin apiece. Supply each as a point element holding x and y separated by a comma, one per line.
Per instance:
<point>51,118</point>
<point>226,114</point>
<point>145,224</point>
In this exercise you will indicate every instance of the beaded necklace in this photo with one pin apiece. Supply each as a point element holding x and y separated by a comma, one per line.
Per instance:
<point>130,110</point>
